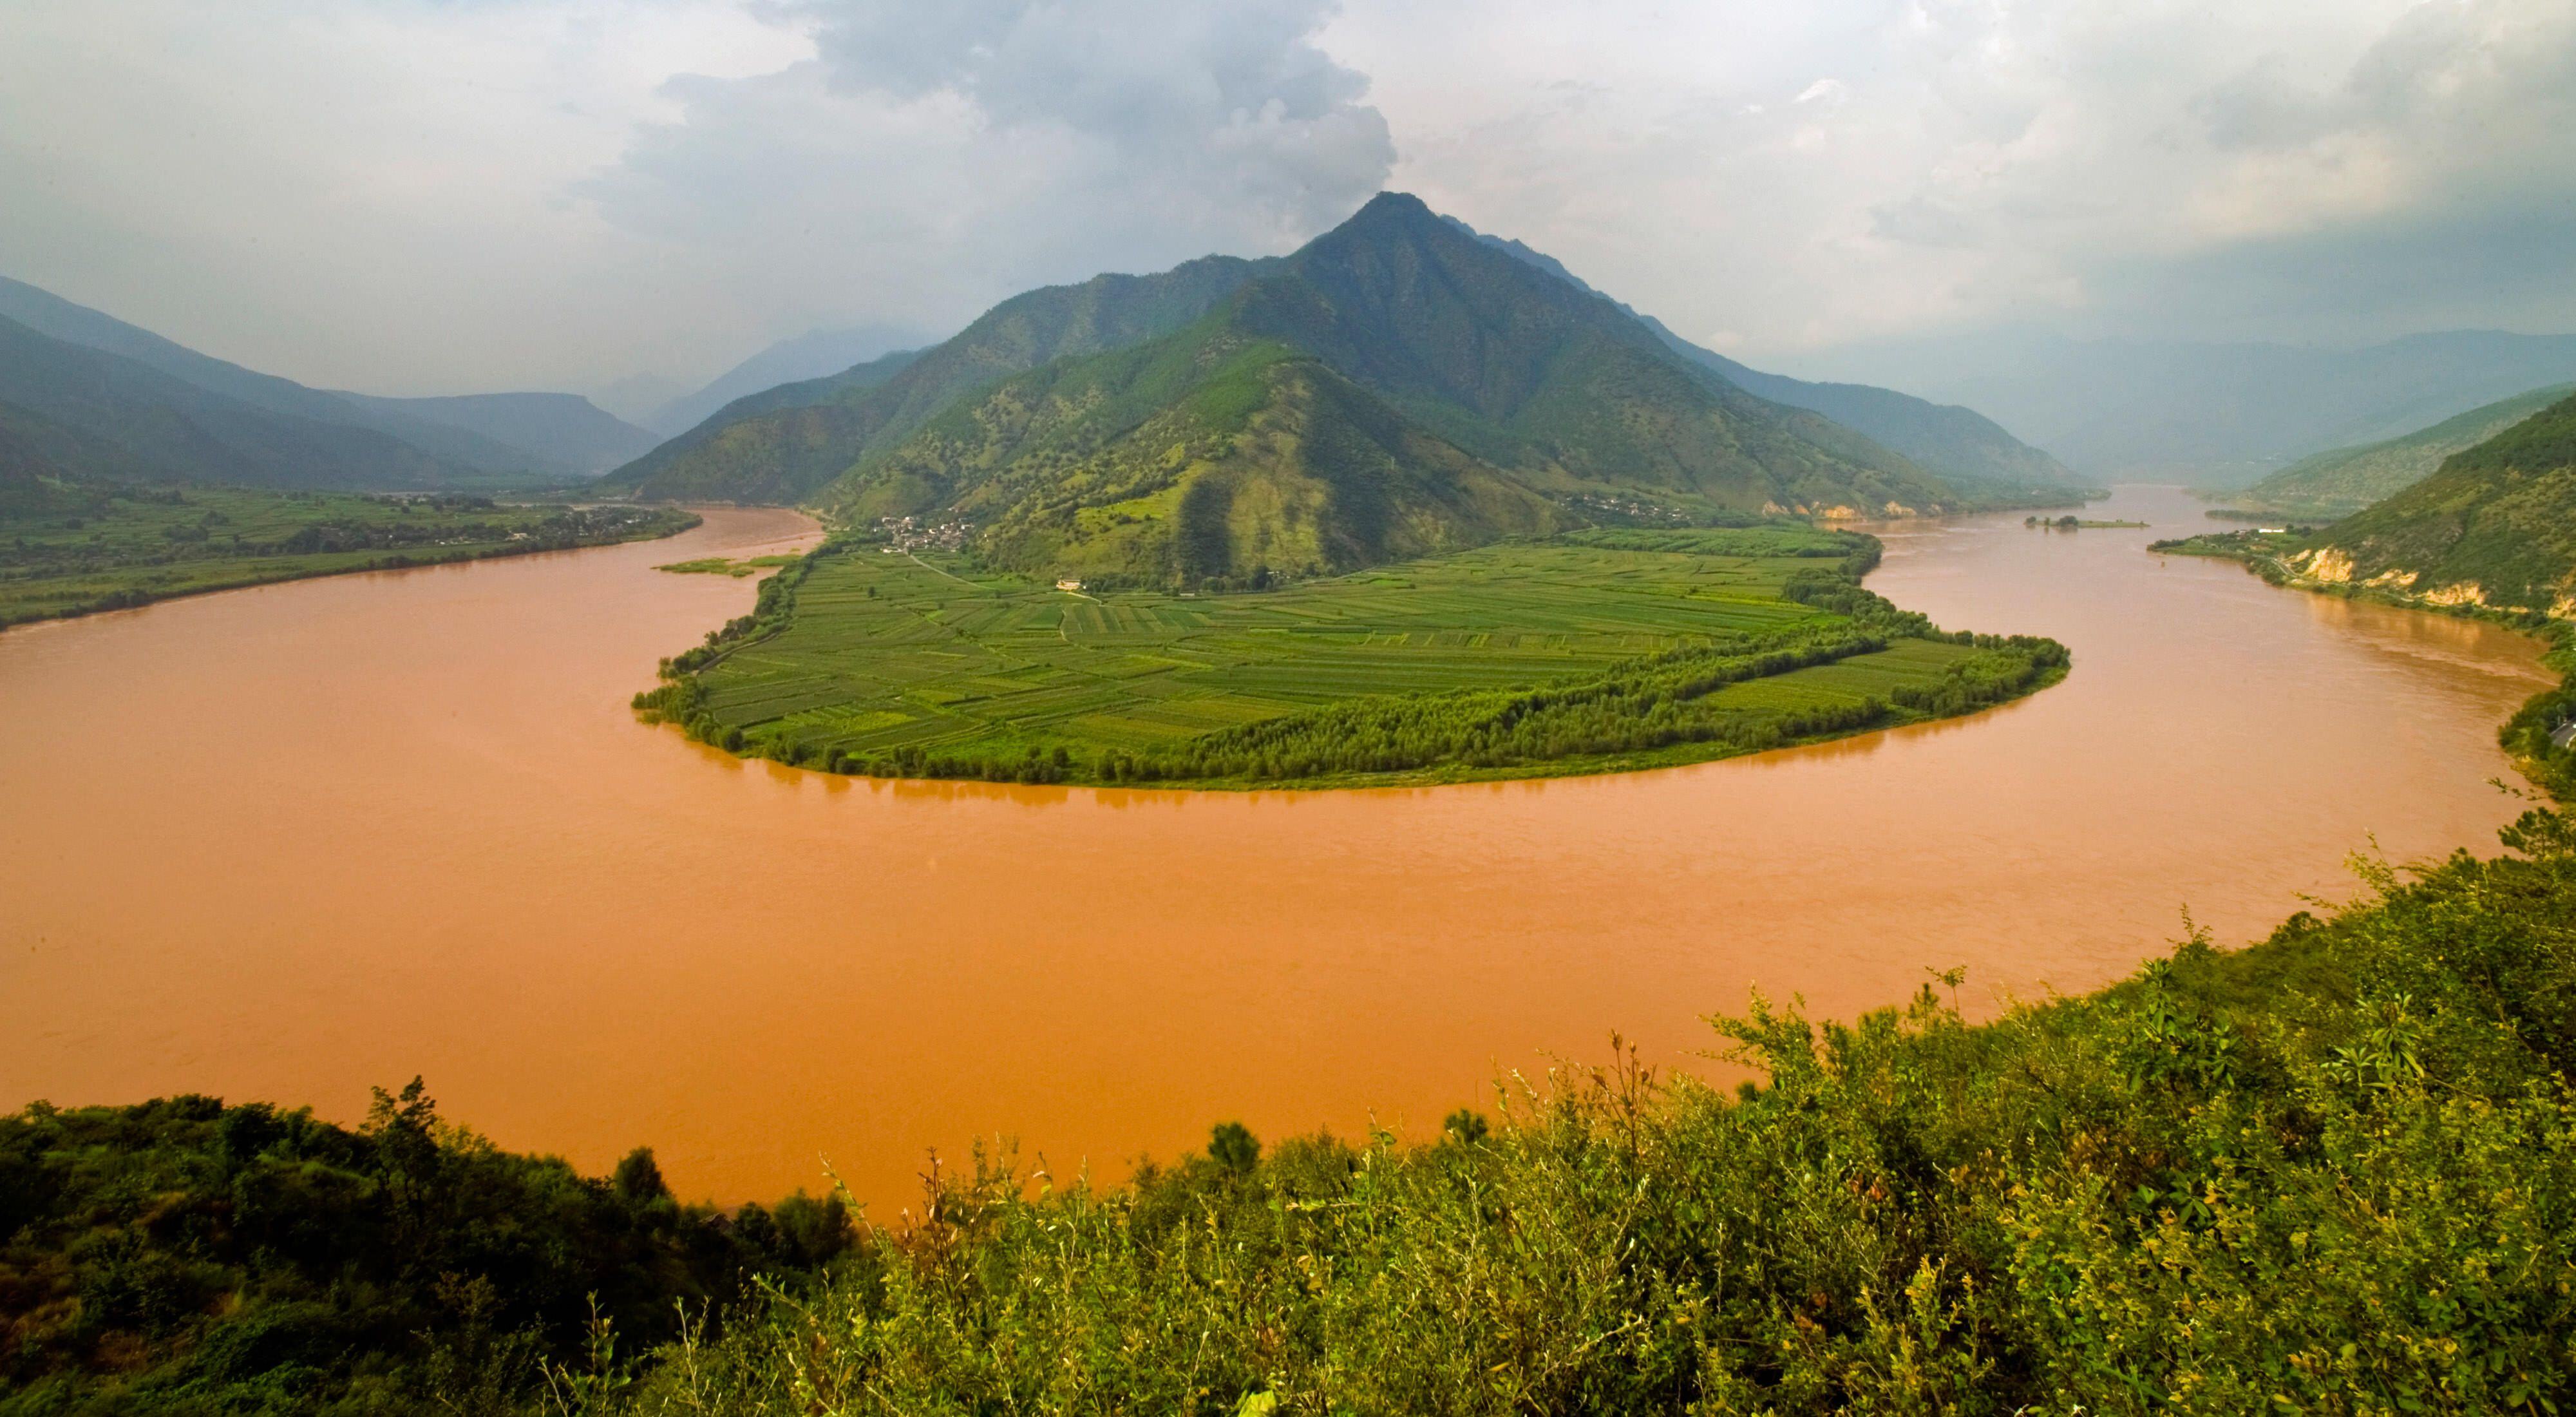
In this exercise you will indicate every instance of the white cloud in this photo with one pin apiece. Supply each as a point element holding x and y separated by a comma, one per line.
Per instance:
<point>944,159</point>
<point>1977,161</point>
<point>423,195</point>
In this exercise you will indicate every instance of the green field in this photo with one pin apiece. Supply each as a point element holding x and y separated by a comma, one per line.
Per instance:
<point>87,548</point>
<point>894,663</point>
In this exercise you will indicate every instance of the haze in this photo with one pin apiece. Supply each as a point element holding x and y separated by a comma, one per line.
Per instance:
<point>633,195</point>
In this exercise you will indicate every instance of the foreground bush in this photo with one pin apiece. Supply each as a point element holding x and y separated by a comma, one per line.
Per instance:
<point>2333,1173</point>
<point>183,1256</point>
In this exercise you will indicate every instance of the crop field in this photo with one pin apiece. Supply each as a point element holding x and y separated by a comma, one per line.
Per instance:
<point>888,651</point>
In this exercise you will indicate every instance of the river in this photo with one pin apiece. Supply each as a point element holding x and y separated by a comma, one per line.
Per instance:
<point>288,842</point>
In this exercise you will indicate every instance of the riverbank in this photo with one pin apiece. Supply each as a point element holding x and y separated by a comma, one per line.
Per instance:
<point>1591,653</point>
<point>94,548</point>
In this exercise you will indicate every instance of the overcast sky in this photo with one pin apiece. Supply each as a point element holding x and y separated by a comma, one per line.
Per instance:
<point>432,196</point>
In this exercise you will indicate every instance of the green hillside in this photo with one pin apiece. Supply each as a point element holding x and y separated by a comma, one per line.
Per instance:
<point>2495,527</point>
<point>1396,388</point>
<point>2342,481</point>
<point>783,444</point>
<point>1562,389</point>
<point>1204,457</point>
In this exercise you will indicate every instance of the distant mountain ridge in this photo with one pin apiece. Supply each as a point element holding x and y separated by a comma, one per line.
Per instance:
<point>813,355</point>
<point>1955,443</point>
<point>1396,386</point>
<point>2342,481</point>
<point>99,415</point>
<point>2221,416</point>
<point>552,436</point>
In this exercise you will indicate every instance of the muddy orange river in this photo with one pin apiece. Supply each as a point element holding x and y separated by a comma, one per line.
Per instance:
<point>289,842</point>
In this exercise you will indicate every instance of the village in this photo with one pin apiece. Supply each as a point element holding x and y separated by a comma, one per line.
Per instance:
<point>907,534</point>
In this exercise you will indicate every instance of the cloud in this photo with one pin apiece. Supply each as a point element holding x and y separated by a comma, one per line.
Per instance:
<point>929,161</point>
<point>2151,167</point>
<point>427,196</point>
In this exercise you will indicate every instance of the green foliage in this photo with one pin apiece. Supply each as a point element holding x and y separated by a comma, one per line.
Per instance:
<point>1599,649</point>
<point>2500,517</point>
<point>1232,1146</point>
<point>185,1256</point>
<point>2333,1173</point>
<point>101,546</point>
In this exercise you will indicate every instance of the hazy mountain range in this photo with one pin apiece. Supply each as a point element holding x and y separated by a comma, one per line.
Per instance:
<point>1399,385</point>
<point>811,355</point>
<point>101,397</point>
<point>2216,415</point>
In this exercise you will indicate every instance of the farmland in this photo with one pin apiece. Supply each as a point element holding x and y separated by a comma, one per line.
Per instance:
<point>85,548</point>
<point>1591,652</point>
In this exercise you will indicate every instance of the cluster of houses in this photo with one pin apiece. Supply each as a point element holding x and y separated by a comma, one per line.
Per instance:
<point>911,534</point>
<point>1625,507</point>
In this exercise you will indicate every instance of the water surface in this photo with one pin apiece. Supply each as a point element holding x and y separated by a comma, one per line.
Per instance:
<point>286,842</point>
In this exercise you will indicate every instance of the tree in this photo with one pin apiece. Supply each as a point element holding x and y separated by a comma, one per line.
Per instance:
<point>1233,1146</point>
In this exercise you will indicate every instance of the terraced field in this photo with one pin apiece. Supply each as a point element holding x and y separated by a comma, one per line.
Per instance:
<point>891,656</point>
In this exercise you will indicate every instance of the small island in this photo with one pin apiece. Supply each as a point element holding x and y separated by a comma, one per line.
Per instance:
<point>2074,524</point>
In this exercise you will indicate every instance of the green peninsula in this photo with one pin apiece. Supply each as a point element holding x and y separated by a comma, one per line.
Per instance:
<point>1592,651</point>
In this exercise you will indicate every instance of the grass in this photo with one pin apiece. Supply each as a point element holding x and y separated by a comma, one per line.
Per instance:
<point>889,653</point>
<point>719,566</point>
<point>94,548</point>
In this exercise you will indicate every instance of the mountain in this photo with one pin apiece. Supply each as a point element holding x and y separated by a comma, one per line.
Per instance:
<point>2221,416</point>
<point>557,436</point>
<point>783,444</point>
<point>811,355</point>
<point>1957,444</point>
<point>27,475</point>
<point>1204,456</point>
<point>561,432</point>
<point>2342,481</point>
<point>101,414</point>
<point>1394,387</point>
<point>2495,526</point>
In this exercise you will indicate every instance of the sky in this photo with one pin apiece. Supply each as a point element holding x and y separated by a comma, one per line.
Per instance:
<point>444,196</point>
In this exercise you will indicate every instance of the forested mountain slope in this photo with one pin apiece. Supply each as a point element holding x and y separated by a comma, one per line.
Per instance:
<point>2342,481</point>
<point>783,444</point>
<point>2496,526</point>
